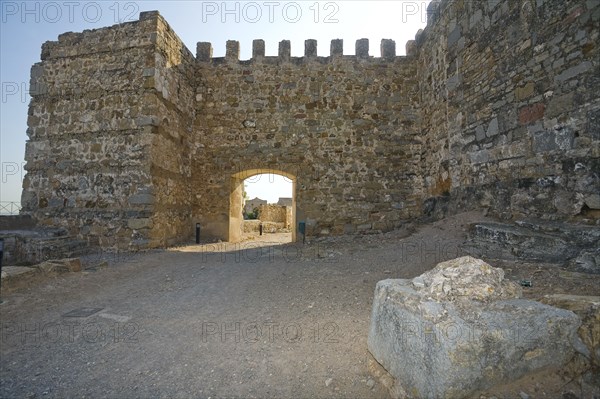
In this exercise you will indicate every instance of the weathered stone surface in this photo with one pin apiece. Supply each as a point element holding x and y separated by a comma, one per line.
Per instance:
<point>204,51</point>
<point>574,71</point>
<point>16,276</point>
<point>336,47</point>
<point>258,48</point>
<point>451,349</point>
<point>593,201</point>
<point>16,222</point>
<point>588,309</point>
<point>17,272</point>
<point>388,48</point>
<point>588,261</point>
<point>547,120</point>
<point>143,223</point>
<point>531,113</point>
<point>39,244</point>
<point>525,91</point>
<point>60,265</point>
<point>310,48</point>
<point>273,213</point>
<point>531,240</point>
<point>362,48</point>
<point>469,278</point>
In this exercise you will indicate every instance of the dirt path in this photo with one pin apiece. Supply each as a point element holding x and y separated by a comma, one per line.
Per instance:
<point>214,320</point>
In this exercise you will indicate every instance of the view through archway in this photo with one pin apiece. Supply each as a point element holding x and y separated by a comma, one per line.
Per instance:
<point>262,206</point>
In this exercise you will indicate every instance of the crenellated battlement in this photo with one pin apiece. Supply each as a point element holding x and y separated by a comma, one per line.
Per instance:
<point>204,51</point>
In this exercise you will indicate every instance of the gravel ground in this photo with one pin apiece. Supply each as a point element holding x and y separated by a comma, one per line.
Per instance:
<point>257,319</point>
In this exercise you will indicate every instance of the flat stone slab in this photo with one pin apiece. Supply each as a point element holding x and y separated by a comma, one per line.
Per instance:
<point>16,276</point>
<point>438,342</point>
<point>61,265</point>
<point>12,272</point>
<point>502,241</point>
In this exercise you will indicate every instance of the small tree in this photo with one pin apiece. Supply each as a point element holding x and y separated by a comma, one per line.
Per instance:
<point>252,215</point>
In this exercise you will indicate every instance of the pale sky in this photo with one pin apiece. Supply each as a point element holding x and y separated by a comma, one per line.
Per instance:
<point>24,26</point>
<point>269,187</point>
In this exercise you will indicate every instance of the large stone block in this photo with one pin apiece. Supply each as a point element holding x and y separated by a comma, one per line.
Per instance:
<point>461,328</point>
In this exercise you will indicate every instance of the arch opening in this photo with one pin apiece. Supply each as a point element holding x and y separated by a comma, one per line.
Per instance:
<point>236,201</point>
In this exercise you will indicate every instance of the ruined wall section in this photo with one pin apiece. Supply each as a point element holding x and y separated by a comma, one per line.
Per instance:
<point>510,108</point>
<point>345,126</point>
<point>92,133</point>
<point>273,213</point>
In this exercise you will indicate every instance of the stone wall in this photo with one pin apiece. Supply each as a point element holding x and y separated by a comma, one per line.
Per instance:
<point>88,154</point>
<point>133,140</point>
<point>252,204</point>
<point>273,213</point>
<point>107,154</point>
<point>345,128</point>
<point>510,108</point>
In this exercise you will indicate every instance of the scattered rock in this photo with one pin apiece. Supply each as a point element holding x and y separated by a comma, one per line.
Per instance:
<point>328,382</point>
<point>60,265</point>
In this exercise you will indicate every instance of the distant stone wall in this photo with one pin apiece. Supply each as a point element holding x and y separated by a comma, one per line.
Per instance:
<point>272,213</point>
<point>252,204</point>
<point>253,226</point>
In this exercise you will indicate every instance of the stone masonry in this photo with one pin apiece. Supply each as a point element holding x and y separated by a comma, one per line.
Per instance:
<point>275,213</point>
<point>133,139</point>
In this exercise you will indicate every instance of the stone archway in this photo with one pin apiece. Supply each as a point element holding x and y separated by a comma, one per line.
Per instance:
<point>235,200</point>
